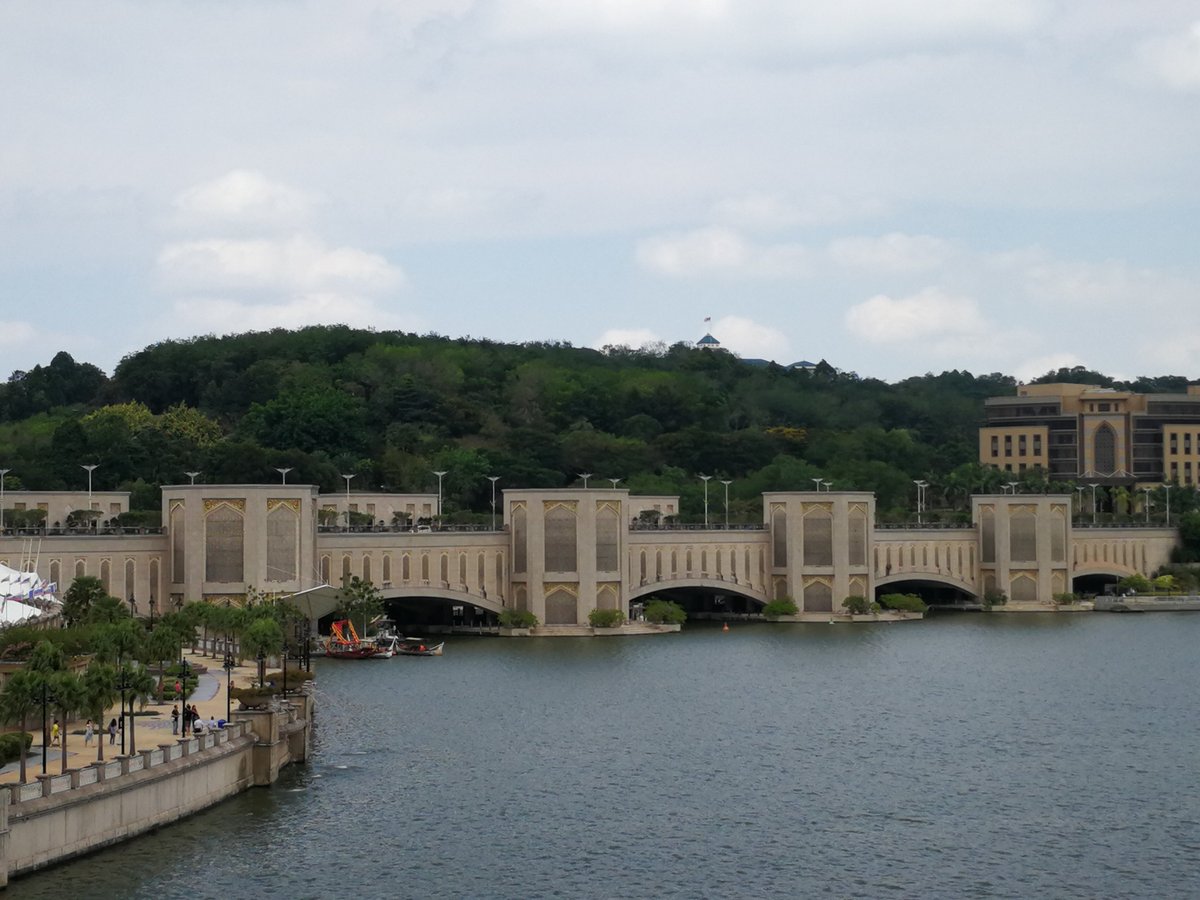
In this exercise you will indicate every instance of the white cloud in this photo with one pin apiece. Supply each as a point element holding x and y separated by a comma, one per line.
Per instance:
<point>719,250</point>
<point>243,198</point>
<point>1029,369</point>
<point>1174,59</point>
<point>1112,284</point>
<point>633,338</point>
<point>746,337</point>
<point>895,252</point>
<point>220,315</point>
<point>295,264</point>
<point>932,313</point>
<point>16,334</point>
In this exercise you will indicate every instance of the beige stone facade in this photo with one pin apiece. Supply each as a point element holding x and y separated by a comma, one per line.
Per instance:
<point>564,552</point>
<point>1079,431</point>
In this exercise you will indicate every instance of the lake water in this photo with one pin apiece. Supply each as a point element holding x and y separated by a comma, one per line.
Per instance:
<point>964,756</point>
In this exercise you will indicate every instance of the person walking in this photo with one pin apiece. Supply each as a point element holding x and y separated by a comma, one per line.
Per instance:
<point>112,732</point>
<point>175,719</point>
<point>89,732</point>
<point>54,729</point>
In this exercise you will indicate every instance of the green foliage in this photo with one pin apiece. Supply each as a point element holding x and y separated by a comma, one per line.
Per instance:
<point>1189,537</point>
<point>360,602</point>
<point>1135,583</point>
<point>903,602</point>
<point>606,618</point>
<point>518,618</point>
<point>665,612</point>
<point>785,606</point>
<point>12,745</point>
<point>993,597</point>
<point>1166,584</point>
<point>1065,599</point>
<point>77,601</point>
<point>856,605</point>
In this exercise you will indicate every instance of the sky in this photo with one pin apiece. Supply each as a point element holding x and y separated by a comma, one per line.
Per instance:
<point>894,186</point>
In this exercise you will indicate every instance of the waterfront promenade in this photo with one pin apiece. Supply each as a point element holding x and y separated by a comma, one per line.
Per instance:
<point>150,730</point>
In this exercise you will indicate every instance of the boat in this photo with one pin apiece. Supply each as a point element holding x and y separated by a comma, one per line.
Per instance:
<point>386,646</point>
<point>344,642</point>
<point>415,646</point>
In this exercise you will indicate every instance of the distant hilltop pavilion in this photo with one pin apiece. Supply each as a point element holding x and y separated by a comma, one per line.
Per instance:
<point>708,342</point>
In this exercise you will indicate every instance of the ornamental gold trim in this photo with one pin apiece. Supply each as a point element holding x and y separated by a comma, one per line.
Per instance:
<point>175,505</point>
<point>292,503</point>
<point>236,504</point>
<point>614,505</point>
<point>776,506</point>
<point>572,506</point>
<point>570,587</point>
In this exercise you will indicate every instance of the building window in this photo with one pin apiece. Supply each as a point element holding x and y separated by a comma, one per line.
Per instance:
<point>561,542</point>
<point>1037,445</point>
<point>1008,445</point>
<point>995,446</point>
<point>1174,443</point>
<point>1187,443</point>
<point>1021,445</point>
<point>1104,450</point>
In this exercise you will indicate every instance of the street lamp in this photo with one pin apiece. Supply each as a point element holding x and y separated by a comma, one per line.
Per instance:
<point>184,670</point>
<point>921,485</point>
<point>90,469</point>
<point>828,485</point>
<point>152,605</point>
<point>585,476</point>
<point>192,476</point>
<point>283,472</point>
<point>705,479</point>
<point>1014,485</point>
<point>132,606</point>
<point>1080,491</point>
<point>1167,488</point>
<point>614,482</point>
<point>1093,487</point>
<point>493,479</point>
<point>261,656</point>
<point>817,482</point>
<point>440,474</point>
<point>1147,490</point>
<point>348,477</point>
<point>3,472</point>
<point>727,484</point>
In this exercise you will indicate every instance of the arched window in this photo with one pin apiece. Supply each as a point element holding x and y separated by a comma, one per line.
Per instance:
<point>1104,450</point>
<point>224,530</point>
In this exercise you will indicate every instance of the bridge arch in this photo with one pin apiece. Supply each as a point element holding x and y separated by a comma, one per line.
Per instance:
<point>420,592</point>
<point>711,585</point>
<point>958,584</point>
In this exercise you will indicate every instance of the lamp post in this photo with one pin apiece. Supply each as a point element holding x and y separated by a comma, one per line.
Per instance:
<point>3,472</point>
<point>828,485</point>
<point>493,479</point>
<point>123,684</point>
<point>1014,485</point>
<point>90,469</point>
<point>440,473</point>
<point>817,482</point>
<point>727,484</point>
<point>261,656</point>
<point>1167,488</point>
<point>614,482</point>
<point>1079,490</point>
<point>921,485</point>
<point>192,476</point>
<point>283,472</point>
<point>152,605</point>
<point>585,476</point>
<point>705,479</point>
<point>228,666</point>
<point>283,665</point>
<point>1146,490</point>
<point>132,606</point>
<point>348,478</point>
<point>1093,487</point>
<point>45,699</point>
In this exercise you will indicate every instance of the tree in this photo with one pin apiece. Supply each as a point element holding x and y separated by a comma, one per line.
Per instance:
<point>139,687</point>
<point>68,694</point>
<point>99,692</point>
<point>21,696</point>
<point>77,601</point>
<point>106,611</point>
<point>161,644</point>
<point>46,659</point>
<point>360,600</point>
<point>262,636</point>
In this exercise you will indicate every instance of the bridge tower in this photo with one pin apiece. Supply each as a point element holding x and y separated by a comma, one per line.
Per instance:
<point>1024,542</point>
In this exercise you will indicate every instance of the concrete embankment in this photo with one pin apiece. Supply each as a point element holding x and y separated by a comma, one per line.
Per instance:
<point>60,816</point>
<point>1147,603</point>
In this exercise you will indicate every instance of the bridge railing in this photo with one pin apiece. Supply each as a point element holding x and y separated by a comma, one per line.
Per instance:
<point>696,526</point>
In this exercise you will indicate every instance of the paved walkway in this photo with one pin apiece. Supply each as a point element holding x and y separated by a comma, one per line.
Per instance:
<point>209,698</point>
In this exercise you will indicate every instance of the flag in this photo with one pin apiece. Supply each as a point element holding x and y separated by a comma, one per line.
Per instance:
<point>707,319</point>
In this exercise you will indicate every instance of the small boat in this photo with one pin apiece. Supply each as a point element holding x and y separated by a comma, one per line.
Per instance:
<point>344,642</point>
<point>415,646</point>
<point>386,646</point>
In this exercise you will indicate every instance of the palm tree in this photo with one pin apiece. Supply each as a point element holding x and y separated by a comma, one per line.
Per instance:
<point>161,645</point>
<point>139,687</point>
<point>45,659</point>
<point>68,694</point>
<point>99,692</point>
<point>22,695</point>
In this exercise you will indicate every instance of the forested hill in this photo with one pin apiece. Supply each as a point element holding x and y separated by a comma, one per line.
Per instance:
<point>393,407</point>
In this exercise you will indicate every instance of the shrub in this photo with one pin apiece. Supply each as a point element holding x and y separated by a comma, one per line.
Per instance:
<point>856,605</point>
<point>665,612</point>
<point>1166,584</point>
<point>10,745</point>
<point>606,618</point>
<point>785,606</point>
<point>1138,583</point>
<point>518,618</point>
<point>1065,599</point>
<point>904,602</point>
<point>994,598</point>
<point>252,697</point>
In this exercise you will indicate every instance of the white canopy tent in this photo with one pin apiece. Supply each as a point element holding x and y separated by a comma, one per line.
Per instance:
<point>23,595</point>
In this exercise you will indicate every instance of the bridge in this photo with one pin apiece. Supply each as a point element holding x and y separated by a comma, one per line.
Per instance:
<point>561,553</point>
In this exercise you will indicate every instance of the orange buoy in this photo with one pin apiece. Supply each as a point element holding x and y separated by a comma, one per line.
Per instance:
<point>725,627</point>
